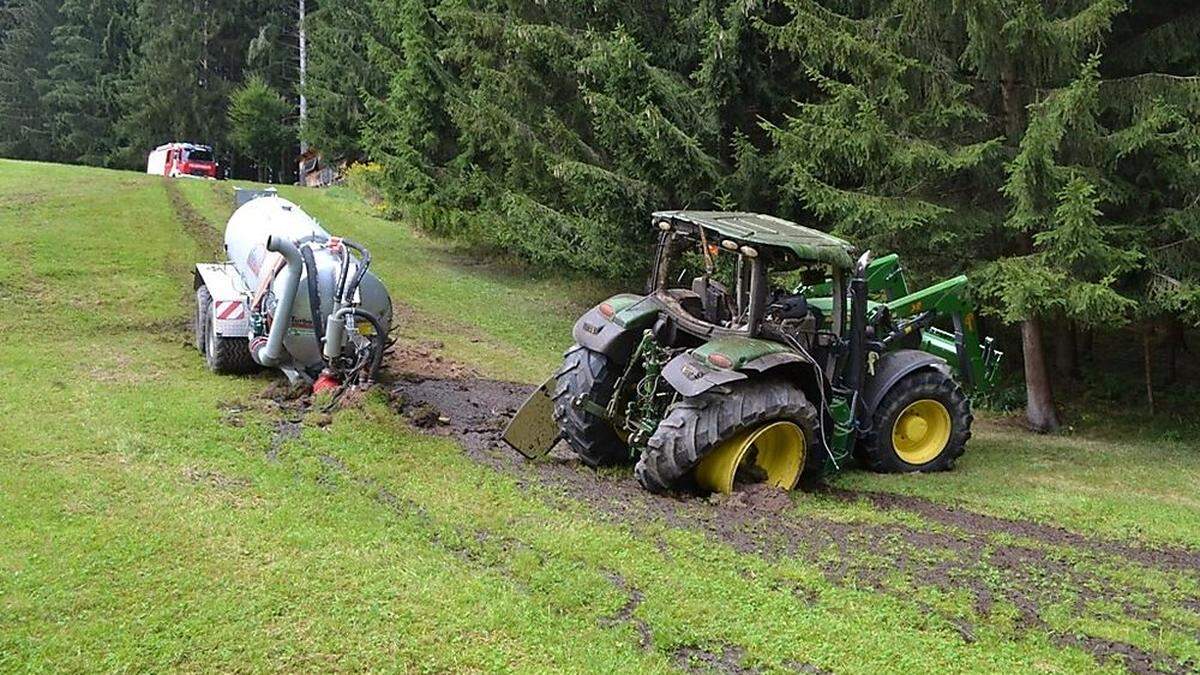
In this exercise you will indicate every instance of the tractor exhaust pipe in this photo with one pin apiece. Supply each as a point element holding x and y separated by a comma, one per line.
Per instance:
<point>271,354</point>
<point>853,379</point>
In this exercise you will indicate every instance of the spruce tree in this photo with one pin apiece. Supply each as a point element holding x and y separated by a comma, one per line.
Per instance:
<point>341,77</point>
<point>24,65</point>
<point>81,94</point>
<point>258,126</point>
<point>189,54</point>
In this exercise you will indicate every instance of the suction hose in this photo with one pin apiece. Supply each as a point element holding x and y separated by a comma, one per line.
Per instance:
<point>271,354</point>
<point>335,335</point>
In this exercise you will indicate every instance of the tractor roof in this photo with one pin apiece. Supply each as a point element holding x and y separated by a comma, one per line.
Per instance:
<point>805,242</point>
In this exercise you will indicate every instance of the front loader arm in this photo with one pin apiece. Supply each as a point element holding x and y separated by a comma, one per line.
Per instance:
<point>884,276</point>
<point>971,355</point>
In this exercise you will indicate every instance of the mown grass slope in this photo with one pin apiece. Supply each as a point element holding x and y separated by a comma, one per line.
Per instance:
<point>158,517</point>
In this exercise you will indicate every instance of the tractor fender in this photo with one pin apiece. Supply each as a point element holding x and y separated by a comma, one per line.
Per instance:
<point>690,376</point>
<point>692,373</point>
<point>891,367</point>
<point>616,337</point>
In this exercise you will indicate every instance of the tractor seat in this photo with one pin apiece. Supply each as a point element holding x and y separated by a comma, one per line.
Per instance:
<point>714,298</point>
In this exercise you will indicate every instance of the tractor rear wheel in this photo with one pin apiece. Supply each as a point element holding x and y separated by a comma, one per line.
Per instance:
<point>731,421</point>
<point>922,424</point>
<point>224,355</point>
<point>589,374</point>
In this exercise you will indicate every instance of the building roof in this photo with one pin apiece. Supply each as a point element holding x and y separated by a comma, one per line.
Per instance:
<point>805,242</point>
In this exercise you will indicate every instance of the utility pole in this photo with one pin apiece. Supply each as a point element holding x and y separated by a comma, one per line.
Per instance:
<point>303,99</point>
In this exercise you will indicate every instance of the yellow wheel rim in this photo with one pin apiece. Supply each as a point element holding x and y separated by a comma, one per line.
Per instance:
<point>921,431</point>
<point>780,452</point>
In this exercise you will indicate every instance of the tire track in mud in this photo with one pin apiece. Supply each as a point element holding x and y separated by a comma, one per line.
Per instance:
<point>963,550</point>
<point>207,239</point>
<point>196,226</point>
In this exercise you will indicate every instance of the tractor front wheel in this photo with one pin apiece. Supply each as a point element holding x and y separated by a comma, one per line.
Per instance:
<point>765,429</point>
<point>922,424</point>
<point>588,375</point>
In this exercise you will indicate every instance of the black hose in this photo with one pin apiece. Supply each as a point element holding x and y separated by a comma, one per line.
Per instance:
<point>364,263</point>
<point>380,340</point>
<point>341,284</point>
<point>314,294</point>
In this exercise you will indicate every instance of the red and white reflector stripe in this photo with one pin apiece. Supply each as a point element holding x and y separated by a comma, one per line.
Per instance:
<point>228,310</point>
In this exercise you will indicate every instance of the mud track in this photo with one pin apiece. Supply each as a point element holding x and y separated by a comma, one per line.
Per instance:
<point>207,238</point>
<point>1050,569</point>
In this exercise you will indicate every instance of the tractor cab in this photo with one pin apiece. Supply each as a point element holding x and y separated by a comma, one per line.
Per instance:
<point>732,274</point>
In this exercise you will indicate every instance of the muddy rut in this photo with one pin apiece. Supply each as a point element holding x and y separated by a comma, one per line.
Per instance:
<point>1049,570</point>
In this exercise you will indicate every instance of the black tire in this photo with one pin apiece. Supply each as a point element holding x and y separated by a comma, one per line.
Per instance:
<point>223,355</point>
<point>588,373</point>
<point>695,426</point>
<point>877,449</point>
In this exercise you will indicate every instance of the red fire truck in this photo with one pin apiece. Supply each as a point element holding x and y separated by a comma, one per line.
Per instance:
<point>182,160</point>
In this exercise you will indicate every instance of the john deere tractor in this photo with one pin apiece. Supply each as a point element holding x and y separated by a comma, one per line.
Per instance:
<point>763,350</point>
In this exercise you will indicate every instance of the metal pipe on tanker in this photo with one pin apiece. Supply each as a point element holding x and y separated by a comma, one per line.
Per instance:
<point>271,354</point>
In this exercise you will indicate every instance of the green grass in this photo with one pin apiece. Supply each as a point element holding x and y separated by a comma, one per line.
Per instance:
<point>151,521</point>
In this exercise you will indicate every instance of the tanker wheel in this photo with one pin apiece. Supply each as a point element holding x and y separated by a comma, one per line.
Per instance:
<point>922,424</point>
<point>590,374</point>
<point>224,355</point>
<point>748,431</point>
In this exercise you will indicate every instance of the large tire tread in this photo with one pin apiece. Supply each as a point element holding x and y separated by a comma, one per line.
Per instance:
<point>695,426</point>
<point>592,438</point>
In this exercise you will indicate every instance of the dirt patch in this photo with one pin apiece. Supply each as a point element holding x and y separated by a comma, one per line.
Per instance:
<point>419,360</point>
<point>757,498</point>
<point>961,552</point>
<point>697,660</point>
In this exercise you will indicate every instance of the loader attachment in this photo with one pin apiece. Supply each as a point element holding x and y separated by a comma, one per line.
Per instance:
<point>533,431</point>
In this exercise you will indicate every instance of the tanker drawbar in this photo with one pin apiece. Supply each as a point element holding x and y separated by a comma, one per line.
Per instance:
<point>293,297</point>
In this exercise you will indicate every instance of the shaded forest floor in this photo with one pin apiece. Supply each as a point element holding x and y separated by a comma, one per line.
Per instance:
<point>157,516</point>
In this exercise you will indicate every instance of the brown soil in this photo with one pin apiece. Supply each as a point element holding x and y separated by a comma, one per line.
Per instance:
<point>960,551</point>
<point>697,660</point>
<point>423,359</point>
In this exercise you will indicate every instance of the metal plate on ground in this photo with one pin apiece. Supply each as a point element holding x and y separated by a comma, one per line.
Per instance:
<point>533,431</point>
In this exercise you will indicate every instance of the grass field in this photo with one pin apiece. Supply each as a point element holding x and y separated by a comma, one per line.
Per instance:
<point>156,516</point>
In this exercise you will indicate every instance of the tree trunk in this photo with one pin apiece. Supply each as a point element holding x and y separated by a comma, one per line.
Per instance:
<point>1039,409</point>
<point>1065,352</point>
<point>1013,102</point>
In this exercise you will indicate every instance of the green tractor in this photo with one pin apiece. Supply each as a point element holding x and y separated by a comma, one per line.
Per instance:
<point>763,350</point>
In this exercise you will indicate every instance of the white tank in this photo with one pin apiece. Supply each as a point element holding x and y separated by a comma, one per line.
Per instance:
<point>246,237</point>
